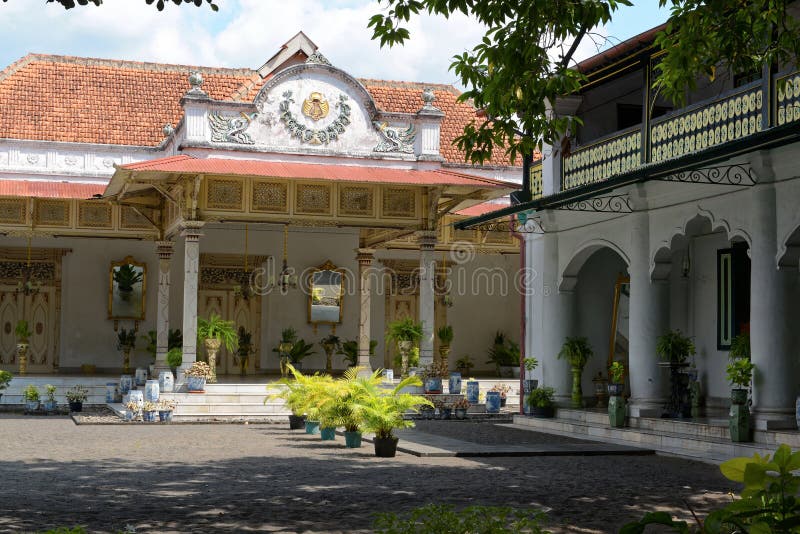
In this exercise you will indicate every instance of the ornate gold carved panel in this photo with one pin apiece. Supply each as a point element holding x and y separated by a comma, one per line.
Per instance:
<point>313,199</point>
<point>51,212</point>
<point>399,202</point>
<point>92,214</point>
<point>356,201</point>
<point>270,197</point>
<point>132,219</point>
<point>12,211</point>
<point>225,194</point>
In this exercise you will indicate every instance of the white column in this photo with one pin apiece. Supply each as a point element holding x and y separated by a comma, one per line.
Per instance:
<point>649,318</point>
<point>427,273</point>
<point>164,250</point>
<point>191,267</point>
<point>558,319</point>
<point>775,384</point>
<point>364,257</point>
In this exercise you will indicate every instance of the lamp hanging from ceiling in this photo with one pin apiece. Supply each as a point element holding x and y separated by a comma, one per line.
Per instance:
<point>28,285</point>
<point>286,279</point>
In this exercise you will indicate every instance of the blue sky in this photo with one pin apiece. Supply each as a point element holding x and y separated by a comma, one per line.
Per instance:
<point>244,33</point>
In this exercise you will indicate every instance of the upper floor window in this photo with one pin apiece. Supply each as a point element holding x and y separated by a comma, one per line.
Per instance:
<point>629,115</point>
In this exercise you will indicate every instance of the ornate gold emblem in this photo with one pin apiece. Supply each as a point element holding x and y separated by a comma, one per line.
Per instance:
<point>315,106</point>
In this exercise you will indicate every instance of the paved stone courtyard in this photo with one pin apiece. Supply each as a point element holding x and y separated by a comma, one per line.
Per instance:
<point>265,478</point>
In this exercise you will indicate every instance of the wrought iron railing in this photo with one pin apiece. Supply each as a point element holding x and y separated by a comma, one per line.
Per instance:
<point>708,124</point>
<point>787,98</point>
<point>603,159</point>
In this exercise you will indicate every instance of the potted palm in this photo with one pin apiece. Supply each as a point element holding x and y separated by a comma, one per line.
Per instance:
<point>196,377</point>
<point>23,334</point>
<point>31,396</point>
<point>126,341</point>
<point>288,339</point>
<point>740,373</point>
<point>293,393</point>
<point>405,333</point>
<point>541,402</point>
<point>214,332</point>
<point>331,344</point>
<point>576,351</point>
<point>76,396</point>
<point>300,350</point>
<point>616,404</point>
<point>464,365</point>
<point>244,349</point>
<point>383,412</point>
<point>445,335</point>
<point>5,379</point>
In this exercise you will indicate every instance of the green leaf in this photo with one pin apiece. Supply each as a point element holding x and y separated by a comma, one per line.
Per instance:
<point>734,468</point>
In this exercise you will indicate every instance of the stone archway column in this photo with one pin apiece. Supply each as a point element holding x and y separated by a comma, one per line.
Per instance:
<point>649,318</point>
<point>775,382</point>
<point>427,304</point>
<point>191,268</point>
<point>557,318</point>
<point>164,250</point>
<point>365,257</point>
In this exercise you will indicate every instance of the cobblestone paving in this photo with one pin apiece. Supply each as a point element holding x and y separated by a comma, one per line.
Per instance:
<point>265,478</point>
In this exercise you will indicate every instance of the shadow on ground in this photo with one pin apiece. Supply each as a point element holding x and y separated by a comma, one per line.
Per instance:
<point>303,485</point>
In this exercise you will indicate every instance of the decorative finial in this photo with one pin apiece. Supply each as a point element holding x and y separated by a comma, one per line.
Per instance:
<point>168,130</point>
<point>428,96</point>
<point>196,80</point>
<point>318,58</point>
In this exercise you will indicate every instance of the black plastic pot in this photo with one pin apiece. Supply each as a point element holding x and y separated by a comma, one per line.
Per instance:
<point>75,406</point>
<point>297,422</point>
<point>543,411</point>
<point>385,447</point>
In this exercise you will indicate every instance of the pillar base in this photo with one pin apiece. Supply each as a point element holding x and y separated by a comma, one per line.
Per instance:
<point>652,408</point>
<point>773,421</point>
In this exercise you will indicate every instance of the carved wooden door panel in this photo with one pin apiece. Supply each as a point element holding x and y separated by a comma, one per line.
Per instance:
<point>400,307</point>
<point>10,313</point>
<point>40,311</point>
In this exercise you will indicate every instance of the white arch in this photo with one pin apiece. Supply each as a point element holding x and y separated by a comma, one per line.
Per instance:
<point>569,276</point>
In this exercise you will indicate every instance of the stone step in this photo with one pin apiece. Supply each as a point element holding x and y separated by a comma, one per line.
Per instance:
<point>217,398</point>
<point>218,416</point>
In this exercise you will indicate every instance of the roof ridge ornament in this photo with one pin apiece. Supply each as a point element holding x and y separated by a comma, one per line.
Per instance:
<point>318,59</point>
<point>428,96</point>
<point>196,80</point>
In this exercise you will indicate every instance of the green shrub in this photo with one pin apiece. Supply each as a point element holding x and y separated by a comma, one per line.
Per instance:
<point>445,519</point>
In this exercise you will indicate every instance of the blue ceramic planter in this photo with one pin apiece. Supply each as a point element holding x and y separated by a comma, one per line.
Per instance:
<point>492,402</point>
<point>50,406</point>
<point>111,391</point>
<point>433,385</point>
<point>195,384</point>
<point>312,427</point>
<point>151,391</point>
<point>454,385</point>
<point>352,440</point>
<point>327,434</point>
<point>473,391</point>
<point>125,384</point>
<point>165,416</point>
<point>149,417</point>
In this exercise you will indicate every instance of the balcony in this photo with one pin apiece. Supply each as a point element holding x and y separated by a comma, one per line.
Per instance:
<point>712,123</point>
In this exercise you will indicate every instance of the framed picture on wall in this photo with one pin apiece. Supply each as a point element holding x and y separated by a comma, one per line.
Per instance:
<point>733,293</point>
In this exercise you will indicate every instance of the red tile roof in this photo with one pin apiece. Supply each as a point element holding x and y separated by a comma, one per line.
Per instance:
<point>480,209</point>
<point>345,173</point>
<point>47,189</point>
<point>85,100</point>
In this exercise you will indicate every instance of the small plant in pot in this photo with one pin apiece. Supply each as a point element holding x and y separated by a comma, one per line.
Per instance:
<point>331,344</point>
<point>674,347</point>
<point>740,374</point>
<point>196,377</point>
<point>165,409</point>
<point>23,334</point>
<point>132,411</point>
<point>503,390</point>
<point>541,402</point>
<point>288,339</point>
<point>460,408</point>
<point>31,396</point>
<point>350,351</point>
<point>174,359</point>
<point>76,396</point>
<point>214,332</point>
<point>383,412</point>
<point>5,379</point>
<point>504,354</point>
<point>576,351</point>
<point>616,372</point>
<point>51,404</point>
<point>445,335</point>
<point>126,341</point>
<point>150,411</point>
<point>405,333</point>
<point>465,365</point>
<point>244,349</point>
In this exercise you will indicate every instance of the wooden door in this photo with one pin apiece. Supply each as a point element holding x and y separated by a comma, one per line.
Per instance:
<point>40,310</point>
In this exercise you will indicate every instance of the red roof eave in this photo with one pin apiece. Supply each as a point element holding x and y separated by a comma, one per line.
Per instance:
<point>48,189</point>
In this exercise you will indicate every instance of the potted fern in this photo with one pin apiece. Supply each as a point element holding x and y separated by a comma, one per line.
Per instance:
<point>244,349</point>
<point>214,332</point>
<point>504,354</point>
<point>383,412</point>
<point>576,351</point>
<point>541,402</point>
<point>674,348</point>
<point>405,333</point>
